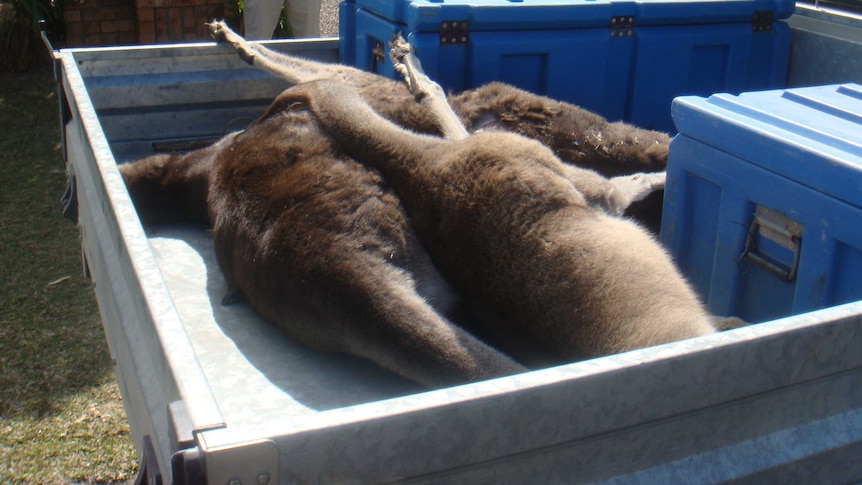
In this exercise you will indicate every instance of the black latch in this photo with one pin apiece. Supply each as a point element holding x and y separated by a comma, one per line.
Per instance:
<point>378,57</point>
<point>761,21</point>
<point>622,26</point>
<point>454,32</point>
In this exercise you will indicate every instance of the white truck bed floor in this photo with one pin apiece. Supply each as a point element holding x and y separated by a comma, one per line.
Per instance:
<point>256,372</point>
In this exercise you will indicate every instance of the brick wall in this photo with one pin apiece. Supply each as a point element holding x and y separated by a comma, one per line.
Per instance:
<point>99,22</point>
<point>170,21</point>
<point>125,22</point>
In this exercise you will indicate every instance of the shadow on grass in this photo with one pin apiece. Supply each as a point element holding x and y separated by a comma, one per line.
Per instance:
<point>51,341</point>
<point>61,415</point>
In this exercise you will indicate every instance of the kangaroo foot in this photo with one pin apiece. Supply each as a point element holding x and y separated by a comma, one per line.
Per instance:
<point>426,92</point>
<point>222,33</point>
<point>635,187</point>
<point>408,67</point>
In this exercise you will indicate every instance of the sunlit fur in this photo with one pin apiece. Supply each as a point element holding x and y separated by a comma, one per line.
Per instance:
<point>317,245</point>
<point>503,221</point>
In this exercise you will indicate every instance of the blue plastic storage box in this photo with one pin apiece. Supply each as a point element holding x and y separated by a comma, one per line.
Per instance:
<point>624,59</point>
<point>763,205</point>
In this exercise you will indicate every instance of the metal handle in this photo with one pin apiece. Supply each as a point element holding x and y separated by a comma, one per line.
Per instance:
<point>780,230</point>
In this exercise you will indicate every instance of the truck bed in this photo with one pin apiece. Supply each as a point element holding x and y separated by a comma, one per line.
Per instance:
<point>214,393</point>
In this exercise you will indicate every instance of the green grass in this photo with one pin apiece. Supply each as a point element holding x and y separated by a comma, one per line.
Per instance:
<point>61,415</point>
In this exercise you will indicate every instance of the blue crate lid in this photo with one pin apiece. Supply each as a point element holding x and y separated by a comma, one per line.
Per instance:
<point>492,15</point>
<point>811,135</point>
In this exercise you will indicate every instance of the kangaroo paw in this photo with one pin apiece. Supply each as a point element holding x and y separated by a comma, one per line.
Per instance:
<point>408,67</point>
<point>222,33</point>
<point>638,186</point>
<point>426,92</point>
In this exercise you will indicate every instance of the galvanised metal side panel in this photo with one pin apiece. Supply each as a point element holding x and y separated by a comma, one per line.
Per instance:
<point>768,401</point>
<point>145,336</point>
<point>108,61</point>
<point>196,90</point>
<point>816,31</point>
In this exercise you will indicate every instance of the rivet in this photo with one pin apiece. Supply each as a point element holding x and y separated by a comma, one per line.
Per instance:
<point>234,481</point>
<point>263,478</point>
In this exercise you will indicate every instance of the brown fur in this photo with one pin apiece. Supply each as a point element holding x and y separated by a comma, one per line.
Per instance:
<point>501,218</point>
<point>304,233</point>
<point>575,135</point>
<point>301,230</point>
<point>169,188</point>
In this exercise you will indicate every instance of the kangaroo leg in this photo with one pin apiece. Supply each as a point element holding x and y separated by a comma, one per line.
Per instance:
<point>637,186</point>
<point>426,92</point>
<point>400,331</point>
<point>613,196</point>
<point>292,69</point>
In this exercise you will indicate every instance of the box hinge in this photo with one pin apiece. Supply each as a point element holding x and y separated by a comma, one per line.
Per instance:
<point>761,21</point>
<point>622,26</point>
<point>454,32</point>
<point>779,229</point>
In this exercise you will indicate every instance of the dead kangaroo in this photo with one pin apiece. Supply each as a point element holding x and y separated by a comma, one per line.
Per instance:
<point>514,228</point>
<point>304,233</point>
